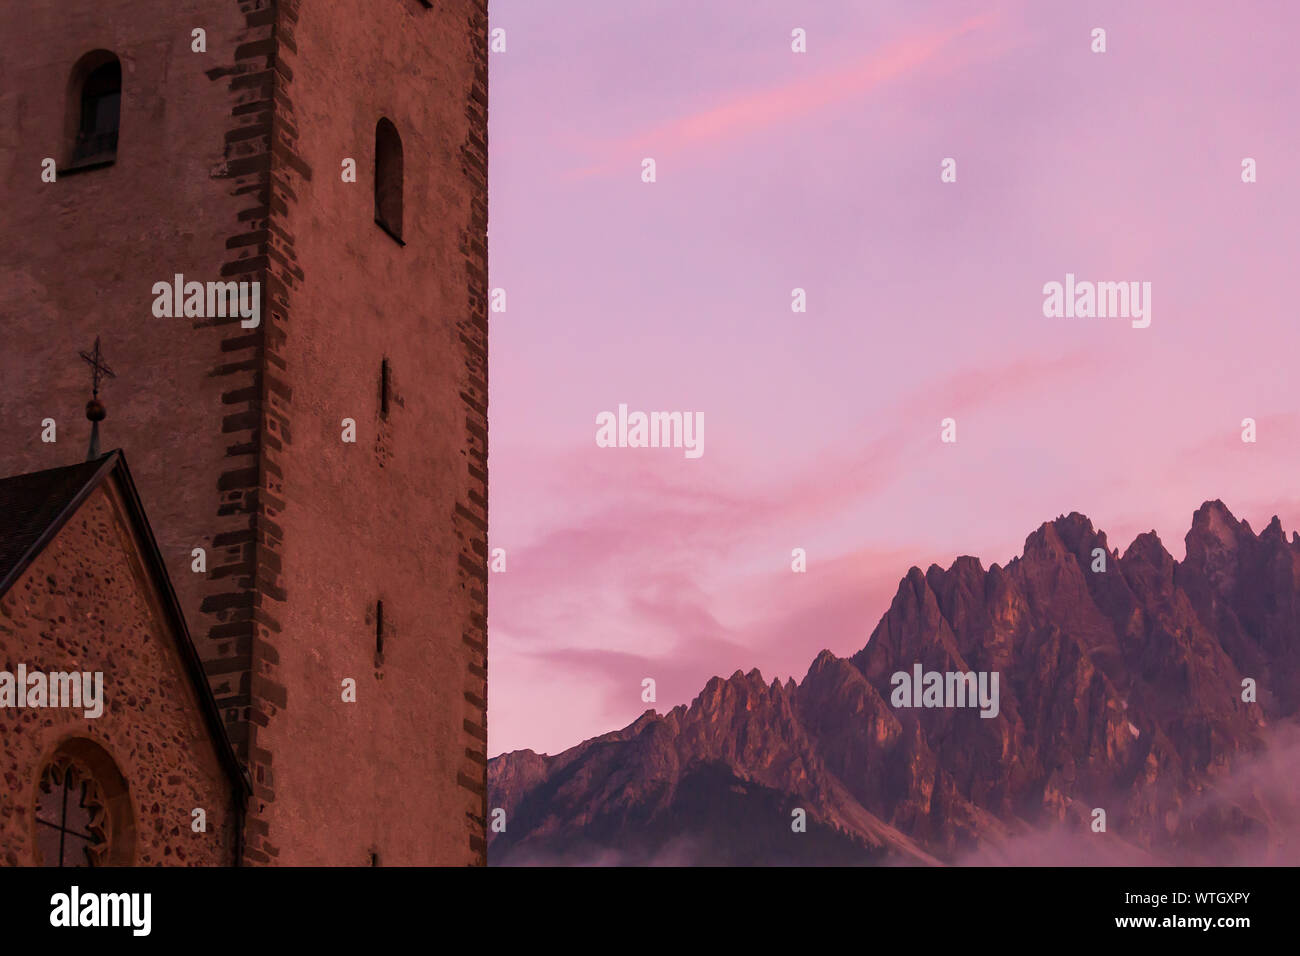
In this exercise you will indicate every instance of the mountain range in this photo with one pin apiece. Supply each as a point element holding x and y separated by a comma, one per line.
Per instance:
<point>1161,693</point>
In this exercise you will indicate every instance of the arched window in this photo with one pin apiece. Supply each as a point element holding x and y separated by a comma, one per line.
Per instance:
<point>388,179</point>
<point>96,99</point>
<point>83,810</point>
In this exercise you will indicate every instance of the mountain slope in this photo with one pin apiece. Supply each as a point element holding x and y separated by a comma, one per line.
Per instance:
<point>1118,689</point>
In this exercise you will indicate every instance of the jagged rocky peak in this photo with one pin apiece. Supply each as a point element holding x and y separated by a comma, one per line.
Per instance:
<point>648,716</point>
<point>1215,528</point>
<point>965,572</point>
<point>822,661</point>
<point>1215,545</point>
<point>1125,686</point>
<point>1149,549</point>
<point>1274,531</point>
<point>1069,535</point>
<point>1075,531</point>
<point>521,759</point>
<point>739,689</point>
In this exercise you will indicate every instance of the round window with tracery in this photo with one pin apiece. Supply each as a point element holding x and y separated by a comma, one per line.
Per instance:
<point>72,821</point>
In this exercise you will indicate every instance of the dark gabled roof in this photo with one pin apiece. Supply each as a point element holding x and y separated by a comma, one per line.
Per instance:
<point>30,505</point>
<point>35,507</point>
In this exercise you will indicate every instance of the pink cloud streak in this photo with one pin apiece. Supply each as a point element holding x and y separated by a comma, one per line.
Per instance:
<point>748,113</point>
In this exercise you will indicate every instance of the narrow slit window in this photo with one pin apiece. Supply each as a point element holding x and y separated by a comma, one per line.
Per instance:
<point>379,631</point>
<point>388,179</point>
<point>384,387</point>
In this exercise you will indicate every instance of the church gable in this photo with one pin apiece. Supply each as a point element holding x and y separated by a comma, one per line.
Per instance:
<point>30,508</point>
<point>113,749</point>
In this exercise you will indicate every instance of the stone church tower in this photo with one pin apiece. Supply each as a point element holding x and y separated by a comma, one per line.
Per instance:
<point>335,154</point>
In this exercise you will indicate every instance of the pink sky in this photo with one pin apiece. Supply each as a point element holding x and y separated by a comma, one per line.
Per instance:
<point>821,171</point>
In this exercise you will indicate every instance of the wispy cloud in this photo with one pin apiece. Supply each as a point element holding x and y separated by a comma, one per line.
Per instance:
<point>742,114</point>
<point>655,575</point>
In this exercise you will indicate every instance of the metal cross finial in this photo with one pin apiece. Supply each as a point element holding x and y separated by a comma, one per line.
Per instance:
<point>98,368</point>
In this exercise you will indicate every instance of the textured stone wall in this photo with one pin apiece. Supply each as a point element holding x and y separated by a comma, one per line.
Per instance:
<point>87,604</point>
